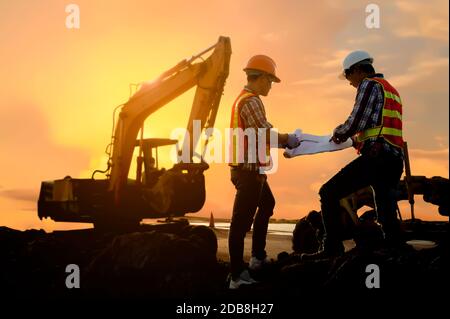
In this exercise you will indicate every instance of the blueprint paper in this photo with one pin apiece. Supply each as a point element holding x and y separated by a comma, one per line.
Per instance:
<point>313,144</point>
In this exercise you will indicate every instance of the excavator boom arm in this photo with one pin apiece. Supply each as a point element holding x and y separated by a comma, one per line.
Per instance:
<point>209,76</point>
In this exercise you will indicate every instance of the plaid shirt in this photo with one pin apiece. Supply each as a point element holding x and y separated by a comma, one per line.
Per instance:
<point>367,113</point>
<point>253,114</point>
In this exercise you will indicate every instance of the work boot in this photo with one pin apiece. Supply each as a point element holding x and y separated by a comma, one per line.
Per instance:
<point>243,279</point>
<point>325,252</point>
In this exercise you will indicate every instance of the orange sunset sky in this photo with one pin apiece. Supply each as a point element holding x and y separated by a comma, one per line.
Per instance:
<point>59,86</point>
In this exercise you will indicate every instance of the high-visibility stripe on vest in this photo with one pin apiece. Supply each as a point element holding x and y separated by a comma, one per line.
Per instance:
<point>391,122</point>
<point>237,151</point>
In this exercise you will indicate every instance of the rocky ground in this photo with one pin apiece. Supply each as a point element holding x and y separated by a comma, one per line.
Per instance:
<point>178,261</point>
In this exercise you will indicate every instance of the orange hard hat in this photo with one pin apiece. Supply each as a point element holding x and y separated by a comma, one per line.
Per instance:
<point>262,63</point>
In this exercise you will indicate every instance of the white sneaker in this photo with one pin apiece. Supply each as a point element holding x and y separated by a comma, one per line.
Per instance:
<point>243,279</point>
<point>256,264</point>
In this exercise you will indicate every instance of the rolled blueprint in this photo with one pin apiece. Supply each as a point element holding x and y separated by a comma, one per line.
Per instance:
<point>313,144</point>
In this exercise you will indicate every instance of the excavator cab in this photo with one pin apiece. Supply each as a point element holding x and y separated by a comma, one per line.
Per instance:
<point>149,159</point>
<point>155,193</point>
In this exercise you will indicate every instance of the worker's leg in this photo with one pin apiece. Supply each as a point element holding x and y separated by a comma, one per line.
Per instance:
<point>248,188</point>
<point>387,175</point>
<point>261,223</point>
<point>348,180</point>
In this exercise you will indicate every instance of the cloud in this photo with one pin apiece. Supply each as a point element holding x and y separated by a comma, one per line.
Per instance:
<point>441,140</point>
<point>429,162</point>
<point>283,95</point>
<point>274,37</point>
<point>327,85</point>
<point>31,153</point>
<point>424,19</point>
<point>322,80</point>
<point>315,187</point>
<point>418,71</point>
<point>367,39</point>
<point>22,194</point>
<point>333,61</point>
<point>438,155</point>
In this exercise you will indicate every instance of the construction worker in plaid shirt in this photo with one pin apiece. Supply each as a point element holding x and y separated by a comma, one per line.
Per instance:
<point>254,202</point>
<point>375,126</point>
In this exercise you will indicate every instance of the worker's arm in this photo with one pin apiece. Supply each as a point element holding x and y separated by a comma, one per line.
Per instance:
<point>285,140</point>
<point>254,116</point>
<point>365,101</point>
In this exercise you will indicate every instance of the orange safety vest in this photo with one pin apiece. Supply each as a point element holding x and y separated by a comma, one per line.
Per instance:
<point>237,149</point>
<point>391,122</point>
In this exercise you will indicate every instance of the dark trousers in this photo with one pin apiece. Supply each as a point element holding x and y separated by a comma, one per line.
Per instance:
<point>252,193</point>
<point>383,173</point>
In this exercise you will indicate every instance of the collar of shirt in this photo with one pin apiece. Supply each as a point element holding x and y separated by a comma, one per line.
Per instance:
<point>246,88</point>
<point>371,76</point>
<point>376,75</point>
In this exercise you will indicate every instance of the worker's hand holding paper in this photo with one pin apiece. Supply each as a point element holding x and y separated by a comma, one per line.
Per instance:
<point>312,144</point>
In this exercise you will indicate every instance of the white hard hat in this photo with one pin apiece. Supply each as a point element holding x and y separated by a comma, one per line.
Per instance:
<point>356,57</point>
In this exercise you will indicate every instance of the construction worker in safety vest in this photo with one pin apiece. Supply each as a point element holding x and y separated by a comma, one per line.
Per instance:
<point>375,126</point>
<point>254,202</point>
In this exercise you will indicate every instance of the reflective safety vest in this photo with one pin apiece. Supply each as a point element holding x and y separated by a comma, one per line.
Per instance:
<point>239,142</point>
<point>391,123</point>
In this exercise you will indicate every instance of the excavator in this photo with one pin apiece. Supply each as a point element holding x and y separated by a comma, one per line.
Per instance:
<point>118,201</point>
